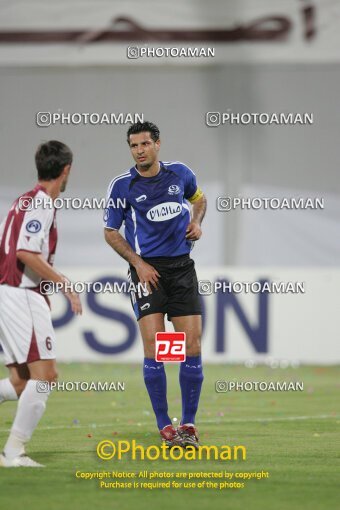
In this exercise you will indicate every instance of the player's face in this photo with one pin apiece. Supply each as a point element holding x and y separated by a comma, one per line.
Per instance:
<point>144,150</point>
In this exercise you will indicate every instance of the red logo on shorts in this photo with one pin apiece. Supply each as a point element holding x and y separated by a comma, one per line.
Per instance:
<point>170,346</point>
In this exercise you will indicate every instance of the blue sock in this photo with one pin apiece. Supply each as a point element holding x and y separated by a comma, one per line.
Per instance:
<point>190,379</point>
<point>155,382</point>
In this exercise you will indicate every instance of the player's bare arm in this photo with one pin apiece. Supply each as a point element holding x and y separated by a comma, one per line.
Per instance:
<point>38,264</point>
<point>194,231</point>
<point>147,274</point>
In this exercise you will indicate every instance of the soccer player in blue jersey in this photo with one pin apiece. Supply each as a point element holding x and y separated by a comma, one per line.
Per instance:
<point>160,229</point>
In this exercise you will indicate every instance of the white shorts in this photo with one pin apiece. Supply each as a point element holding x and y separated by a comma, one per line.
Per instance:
<point>26,330</point>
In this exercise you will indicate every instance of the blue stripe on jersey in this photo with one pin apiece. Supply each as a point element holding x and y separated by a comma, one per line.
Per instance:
<point>121,176</point>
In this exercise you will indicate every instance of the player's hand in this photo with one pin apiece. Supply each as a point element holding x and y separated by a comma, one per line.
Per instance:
<point>147,274</point>
<point>193,232</point>
<point>73,297</point>
<point>75,302</point>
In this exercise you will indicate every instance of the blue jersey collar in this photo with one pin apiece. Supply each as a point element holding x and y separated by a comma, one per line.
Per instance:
<point>134,172</point>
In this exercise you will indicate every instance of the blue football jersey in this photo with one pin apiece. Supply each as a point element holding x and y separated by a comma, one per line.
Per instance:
<point>155,210</point>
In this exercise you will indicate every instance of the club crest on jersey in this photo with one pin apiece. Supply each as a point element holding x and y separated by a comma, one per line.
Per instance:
<point>33,226</point>
<point>106,214</point>
<point>164,211</point>
<point>174,189</point>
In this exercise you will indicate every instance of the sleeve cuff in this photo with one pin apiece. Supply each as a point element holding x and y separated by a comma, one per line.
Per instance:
<point>28,251</point>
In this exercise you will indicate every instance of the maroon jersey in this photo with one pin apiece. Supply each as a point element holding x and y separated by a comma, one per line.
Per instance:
<point>29,226</point>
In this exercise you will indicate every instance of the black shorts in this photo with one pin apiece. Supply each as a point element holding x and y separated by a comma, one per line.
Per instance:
<point>177,292</point>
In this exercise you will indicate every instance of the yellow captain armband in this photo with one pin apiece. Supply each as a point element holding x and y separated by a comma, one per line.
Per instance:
<point>196,196</point>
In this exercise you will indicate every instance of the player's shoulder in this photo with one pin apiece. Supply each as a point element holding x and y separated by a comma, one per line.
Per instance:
<point>177,166</point>
<point>35,203</point>
<point>120,181</point>
<point>38,190</point>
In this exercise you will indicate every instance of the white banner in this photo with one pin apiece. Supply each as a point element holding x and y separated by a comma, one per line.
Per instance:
<point>259,315</point>
<point>247,31</point>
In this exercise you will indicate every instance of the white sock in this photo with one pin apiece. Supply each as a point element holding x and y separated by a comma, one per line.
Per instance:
<point>31,407</point>
<point>7,391</point>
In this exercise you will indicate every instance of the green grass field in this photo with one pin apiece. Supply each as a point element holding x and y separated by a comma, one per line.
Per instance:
<point>293,435</point>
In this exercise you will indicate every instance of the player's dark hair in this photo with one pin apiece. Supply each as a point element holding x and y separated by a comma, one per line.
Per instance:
<point>51,158</point>
<point>142,127</point>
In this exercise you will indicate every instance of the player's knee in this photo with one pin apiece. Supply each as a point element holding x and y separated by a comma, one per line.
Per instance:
<point>51,376</point>
<point>193,346</point>
<point>18,384</point>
